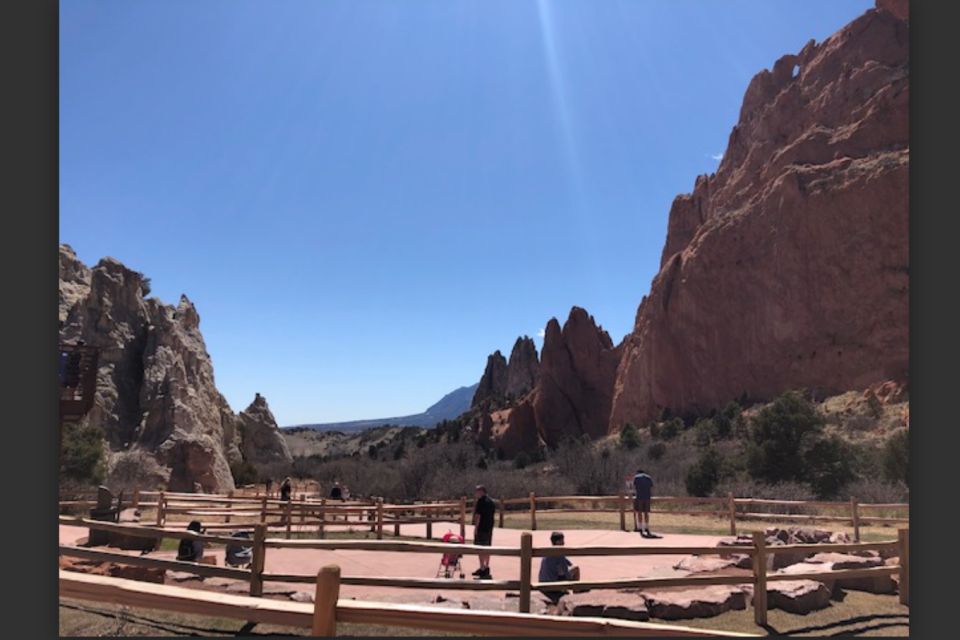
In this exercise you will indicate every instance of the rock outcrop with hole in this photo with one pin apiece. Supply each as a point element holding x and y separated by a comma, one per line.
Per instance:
<point>788,267</point>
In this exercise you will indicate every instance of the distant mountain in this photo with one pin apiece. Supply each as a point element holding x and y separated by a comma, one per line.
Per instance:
<point>447,408</point>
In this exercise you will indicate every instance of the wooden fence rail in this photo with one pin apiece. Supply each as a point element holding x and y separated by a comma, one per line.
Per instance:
<point>329,610</point>
<point>316,511</point>
<point>256,575</point>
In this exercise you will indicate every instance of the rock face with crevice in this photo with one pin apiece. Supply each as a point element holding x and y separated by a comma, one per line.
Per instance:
<point>788,267</point>
<point>156,400</point>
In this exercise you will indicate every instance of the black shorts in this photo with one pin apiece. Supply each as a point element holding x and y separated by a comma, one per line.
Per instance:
<point>483,538</point>
<point>641,504</point>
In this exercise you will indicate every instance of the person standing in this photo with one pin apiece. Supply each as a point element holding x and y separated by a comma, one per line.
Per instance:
<point>642,493</point>
<point>483,529</point>
<point>285,488</point>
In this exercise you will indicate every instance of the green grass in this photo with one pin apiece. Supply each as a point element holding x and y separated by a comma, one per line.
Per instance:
<point>667,522</point>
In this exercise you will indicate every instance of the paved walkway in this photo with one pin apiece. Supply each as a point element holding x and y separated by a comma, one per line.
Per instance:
<point>421,565</point>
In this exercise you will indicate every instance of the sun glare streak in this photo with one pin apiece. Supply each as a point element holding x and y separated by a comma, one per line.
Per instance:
<point>561,108</point>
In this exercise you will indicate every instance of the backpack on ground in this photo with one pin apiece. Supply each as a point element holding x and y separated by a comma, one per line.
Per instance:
<point>185,551</point>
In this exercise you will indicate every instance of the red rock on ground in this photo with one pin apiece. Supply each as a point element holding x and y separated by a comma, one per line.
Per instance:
<point>797,596</point>
<point>702,602</point>
<point>604,603</point>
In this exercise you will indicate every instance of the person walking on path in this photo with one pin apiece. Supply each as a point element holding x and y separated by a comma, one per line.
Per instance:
<point>557,569</point>
<point>642,492</point>
<point>483,529</point>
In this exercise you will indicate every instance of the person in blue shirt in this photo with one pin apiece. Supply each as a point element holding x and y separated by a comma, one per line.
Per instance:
<point>642,492</point>
<point>557,569</point>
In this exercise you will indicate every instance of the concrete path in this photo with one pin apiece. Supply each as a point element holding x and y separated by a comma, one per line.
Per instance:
<point>420,565</point>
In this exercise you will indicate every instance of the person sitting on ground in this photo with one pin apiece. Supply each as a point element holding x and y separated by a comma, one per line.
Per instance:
<point>285,488</point>
<point>345,493</point>
<point>483,529</point>
<point>191,550</point>
<point>336,493</point>
<point>642,490</point>
<point>557,569</point>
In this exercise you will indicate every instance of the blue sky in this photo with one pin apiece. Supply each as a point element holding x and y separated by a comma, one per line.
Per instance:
<point>365,198</point>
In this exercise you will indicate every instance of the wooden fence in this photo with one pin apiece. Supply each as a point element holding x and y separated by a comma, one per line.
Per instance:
<point>328,610</point>
<point>256,575</point>
<point>374,512</point>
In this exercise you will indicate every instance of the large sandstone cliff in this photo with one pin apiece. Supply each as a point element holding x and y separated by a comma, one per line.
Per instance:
<point>788,267</point>
<point>156,400</point>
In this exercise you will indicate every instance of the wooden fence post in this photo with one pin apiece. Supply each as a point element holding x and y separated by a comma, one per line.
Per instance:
<point>526,559</point>
<point>760,578</point>
<point>256,566</point>
<point>379,518</point>
<point>855,516</point>
<point>160,517</point>
<point>325,602</point>
<point>903,544</point>
<point>503,506</point>
<point>533,511</point>
<point>732,508</point>
<point>463,517</point>
<point>288,516</point>
<point>263,510</point>
<point>429,525</point>
<point>303,508</point>
<point>229,505</point>
<point>323,517</point>
<point>136,498</point>
<point>621,507</point>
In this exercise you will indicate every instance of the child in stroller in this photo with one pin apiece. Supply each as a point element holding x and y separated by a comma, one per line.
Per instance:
<point>239,554</point>
<point>450,562</point>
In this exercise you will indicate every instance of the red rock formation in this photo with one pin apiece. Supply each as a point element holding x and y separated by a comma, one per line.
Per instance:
<point>504,382</point>
<point>573,393</point>
<point>523,369</point>
<point>493,382</point>
<point>578,366</point>
<point>788,267</point>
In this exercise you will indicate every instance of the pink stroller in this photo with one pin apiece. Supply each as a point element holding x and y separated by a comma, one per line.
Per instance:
<point>450,562</point>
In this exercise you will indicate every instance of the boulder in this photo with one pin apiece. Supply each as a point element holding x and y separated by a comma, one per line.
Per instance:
<point>183,576</point>
<point>825,562</point>
<point>116,570</point>
<point>605,604</point>
<point>699,602</point>
<point>302,596</point>
<point>700,564</point>
<point>797,596</point>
